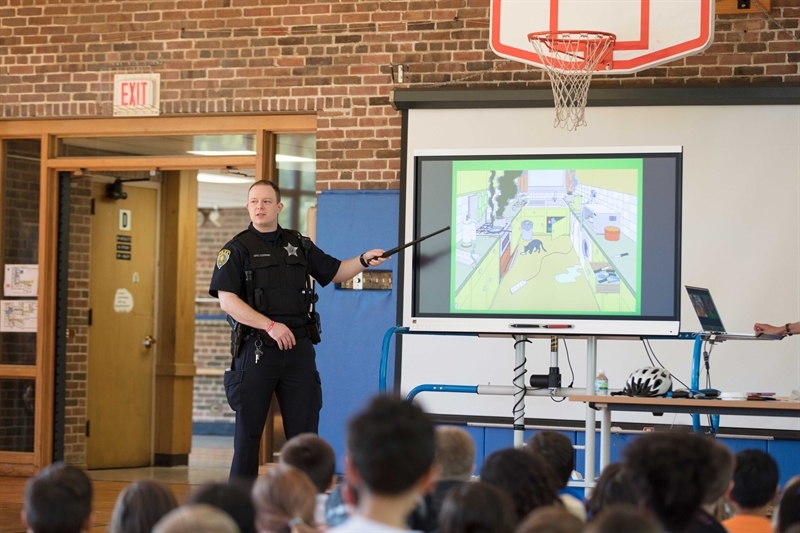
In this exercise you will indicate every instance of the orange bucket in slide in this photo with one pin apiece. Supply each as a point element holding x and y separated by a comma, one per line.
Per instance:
<point>612,233</point>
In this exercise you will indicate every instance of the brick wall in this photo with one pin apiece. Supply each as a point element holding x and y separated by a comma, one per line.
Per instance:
<point>80,240</point>
<point>330,57</point>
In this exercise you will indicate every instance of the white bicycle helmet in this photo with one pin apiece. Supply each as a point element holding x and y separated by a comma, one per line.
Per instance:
<point>649,381</point>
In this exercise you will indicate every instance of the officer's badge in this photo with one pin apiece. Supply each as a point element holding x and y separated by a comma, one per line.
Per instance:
<point>291,250</point>
<point>222,257</point>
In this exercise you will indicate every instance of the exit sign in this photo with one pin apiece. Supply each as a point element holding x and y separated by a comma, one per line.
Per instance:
<point>136,94</point>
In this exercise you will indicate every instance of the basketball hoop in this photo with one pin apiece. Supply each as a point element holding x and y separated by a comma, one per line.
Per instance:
<point>570,57</point>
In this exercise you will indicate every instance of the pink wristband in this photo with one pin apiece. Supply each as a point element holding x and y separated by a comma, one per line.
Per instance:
<point>269,328</point>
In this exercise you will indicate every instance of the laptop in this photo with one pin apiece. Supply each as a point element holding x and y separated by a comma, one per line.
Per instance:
<point>709,318</point>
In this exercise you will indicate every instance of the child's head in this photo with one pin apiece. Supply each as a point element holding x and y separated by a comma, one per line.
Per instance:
<point>671,472</point>
<point>789,506</point>
<point>550,519</point>
<point>197,518</point>
<point>281,496</point>
<point>755,480</point>
<point>314,456</point>
<point>65,488</point>
<point>723,463</point>
<point>455,453</point>
<point>524,476</point>
<point>614,487</point>
<point>390,446</point>
<point>620,518</point>
<point>140,506</point>
<point>232,498</point>
<point>557,450</point>
<point>477,508</point>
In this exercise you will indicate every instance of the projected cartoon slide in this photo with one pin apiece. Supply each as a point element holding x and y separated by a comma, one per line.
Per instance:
<point>546,236</point>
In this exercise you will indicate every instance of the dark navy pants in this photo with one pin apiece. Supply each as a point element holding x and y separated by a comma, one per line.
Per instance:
<point>292,375</point>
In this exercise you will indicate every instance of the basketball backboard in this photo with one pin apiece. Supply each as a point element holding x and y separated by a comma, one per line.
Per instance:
<point>649,32</point>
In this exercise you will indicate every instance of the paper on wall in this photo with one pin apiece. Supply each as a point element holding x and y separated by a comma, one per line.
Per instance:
<point>21,280</point>
<point>18,316</point>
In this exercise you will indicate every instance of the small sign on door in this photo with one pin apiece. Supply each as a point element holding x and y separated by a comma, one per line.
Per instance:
<point>124,219</point>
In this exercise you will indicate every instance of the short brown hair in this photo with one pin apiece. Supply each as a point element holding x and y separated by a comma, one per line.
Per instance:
<point>455,453</point>
<point>313,455</point>
<point>557,450</point>
<point>268,184</point>
<point>723,462</point>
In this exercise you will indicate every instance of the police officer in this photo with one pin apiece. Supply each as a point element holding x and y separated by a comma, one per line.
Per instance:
<point>261,282</point>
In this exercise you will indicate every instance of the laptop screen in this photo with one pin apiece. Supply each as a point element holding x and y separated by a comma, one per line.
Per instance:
<point>706,311</point>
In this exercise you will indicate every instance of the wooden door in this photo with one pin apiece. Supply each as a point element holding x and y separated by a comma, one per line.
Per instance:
<point>121,298</point>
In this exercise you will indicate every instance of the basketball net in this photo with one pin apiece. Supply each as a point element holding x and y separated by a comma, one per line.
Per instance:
<point>570,58</point>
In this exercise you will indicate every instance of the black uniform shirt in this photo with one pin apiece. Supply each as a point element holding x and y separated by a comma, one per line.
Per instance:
<point>229,270</point>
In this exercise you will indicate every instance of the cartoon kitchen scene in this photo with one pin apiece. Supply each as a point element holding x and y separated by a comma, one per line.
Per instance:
<point>546,241</point>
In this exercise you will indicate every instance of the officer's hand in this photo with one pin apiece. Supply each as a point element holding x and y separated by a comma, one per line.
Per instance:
<point>373,257</point>
<point>282,335</point>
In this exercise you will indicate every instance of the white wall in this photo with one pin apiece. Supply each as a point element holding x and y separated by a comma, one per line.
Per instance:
<point>741,238</point>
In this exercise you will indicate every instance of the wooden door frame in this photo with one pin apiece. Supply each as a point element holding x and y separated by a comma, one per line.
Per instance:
<point>48,131</point>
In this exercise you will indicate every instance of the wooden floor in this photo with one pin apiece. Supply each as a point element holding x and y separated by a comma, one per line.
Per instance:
<point>209,461</point>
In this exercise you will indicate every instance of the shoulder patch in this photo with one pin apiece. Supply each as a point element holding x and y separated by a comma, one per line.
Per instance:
<point>222,257</point>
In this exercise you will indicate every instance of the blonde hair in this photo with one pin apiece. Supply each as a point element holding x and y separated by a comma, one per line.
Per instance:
<point>285,499</point>
<point>198,518</point>
<point>455,453</point>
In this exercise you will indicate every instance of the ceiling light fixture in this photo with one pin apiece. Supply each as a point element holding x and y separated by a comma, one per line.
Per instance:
<point>217,178</point>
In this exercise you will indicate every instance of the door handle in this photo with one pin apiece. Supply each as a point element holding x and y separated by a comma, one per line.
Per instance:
<point>148,341</point>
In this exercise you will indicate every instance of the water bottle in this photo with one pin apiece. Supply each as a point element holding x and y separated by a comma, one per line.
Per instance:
<point>601,384</point>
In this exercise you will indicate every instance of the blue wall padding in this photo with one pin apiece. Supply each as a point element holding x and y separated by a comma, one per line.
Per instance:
<point>787,454</point>
<point>354,322</point>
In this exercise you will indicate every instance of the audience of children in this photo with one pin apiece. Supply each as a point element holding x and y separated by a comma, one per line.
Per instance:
<point>402,474</point>
<point>755,487</point>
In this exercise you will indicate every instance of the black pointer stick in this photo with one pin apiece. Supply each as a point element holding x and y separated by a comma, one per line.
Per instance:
<point>389,253</point>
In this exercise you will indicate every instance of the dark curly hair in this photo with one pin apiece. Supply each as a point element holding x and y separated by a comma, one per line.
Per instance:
<point>614,487</point>
<point>524,476</point>
<point>477,508</point>
<point>672,473</point>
